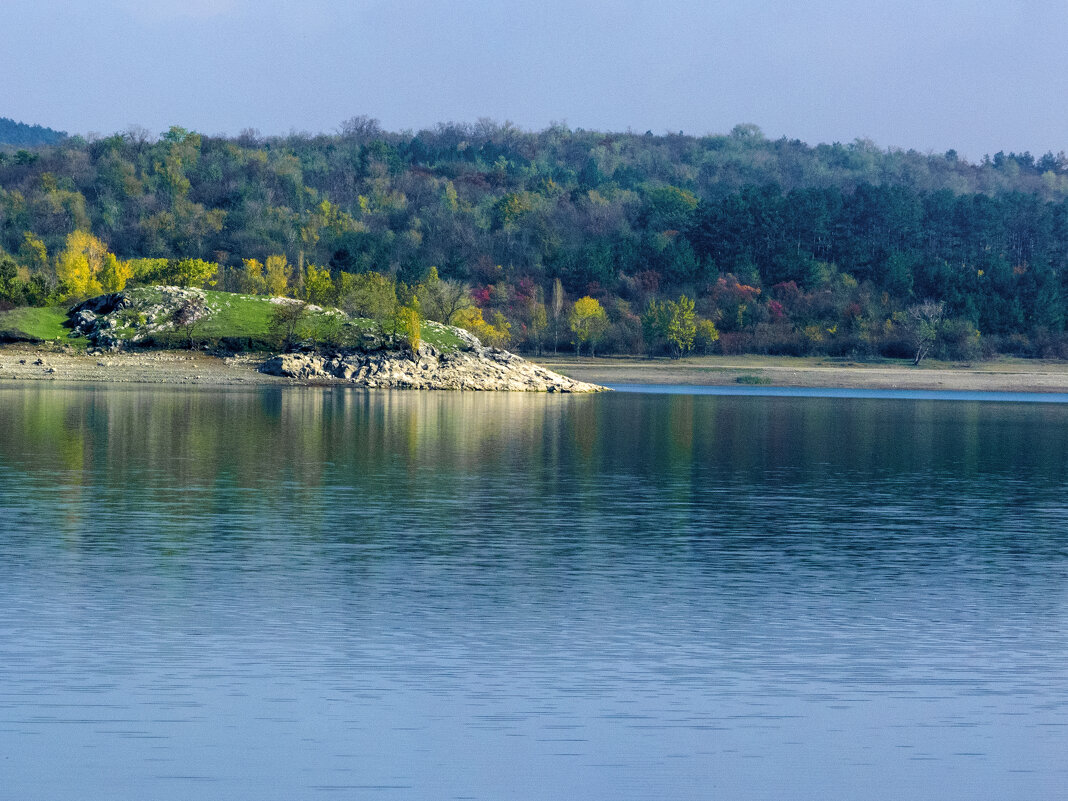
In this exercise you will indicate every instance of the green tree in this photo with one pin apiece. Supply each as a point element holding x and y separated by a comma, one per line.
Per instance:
<point>655,320</point>
<point>114,273</point>
<point>370,295</point>
<point>537,323</point>
<point>147,271</point>
<point>408,325</point>
<point>33,253</point>
<point>706,335</point>
<point>10,286</point>
<point>681,325</point>
<point>669,208</point>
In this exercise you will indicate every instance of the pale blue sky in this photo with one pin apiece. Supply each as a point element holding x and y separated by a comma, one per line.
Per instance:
<point>976,76</point>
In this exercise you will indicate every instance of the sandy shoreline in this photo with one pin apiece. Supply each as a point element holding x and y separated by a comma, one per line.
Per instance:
<point>20,363</point>
<point>1003,375</point>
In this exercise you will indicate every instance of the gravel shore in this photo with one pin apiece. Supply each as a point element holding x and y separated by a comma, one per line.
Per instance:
<point>32,363</point>
<point>1002,375</point>
<point>29,363</point>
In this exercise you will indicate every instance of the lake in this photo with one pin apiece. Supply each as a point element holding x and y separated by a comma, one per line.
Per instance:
<point>307,593</point>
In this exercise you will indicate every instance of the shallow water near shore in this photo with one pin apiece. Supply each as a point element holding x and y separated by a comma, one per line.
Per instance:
<point>765,390</point>
<point>282,593</point>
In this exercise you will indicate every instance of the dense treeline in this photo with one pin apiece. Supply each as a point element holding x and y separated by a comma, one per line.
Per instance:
<point>19,133</point>
<point>766,245</point>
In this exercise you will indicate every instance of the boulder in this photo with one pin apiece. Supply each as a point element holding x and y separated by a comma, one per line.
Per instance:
<point>104,304</point>
<point>304,366</point>
<point>83,322</point>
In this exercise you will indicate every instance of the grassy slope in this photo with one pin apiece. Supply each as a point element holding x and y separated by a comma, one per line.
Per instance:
<point>239,318</point>
<point>37,324</point>
<point>249,317</point>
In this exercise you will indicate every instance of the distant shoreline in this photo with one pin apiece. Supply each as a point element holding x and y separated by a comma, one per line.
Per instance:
<point>179,367</point>
<point>1000,375</point>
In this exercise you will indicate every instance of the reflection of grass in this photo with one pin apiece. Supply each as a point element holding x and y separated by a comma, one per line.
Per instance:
<point>39,324</point>
<point>753,379</point>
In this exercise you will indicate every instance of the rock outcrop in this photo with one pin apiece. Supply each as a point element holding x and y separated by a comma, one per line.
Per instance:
<point>112,322</point>
<point>369,356</point>
<point>477,368</point>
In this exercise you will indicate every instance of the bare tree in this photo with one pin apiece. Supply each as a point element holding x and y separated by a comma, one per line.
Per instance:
<point>187,315</point>
<point>363,129</point>
<point>441,298</point>
<point>922,324</point>
<point>288,324</point>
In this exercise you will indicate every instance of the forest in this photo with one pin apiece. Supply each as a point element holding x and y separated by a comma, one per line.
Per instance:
<point>618,242</point>
<point>19,133</point>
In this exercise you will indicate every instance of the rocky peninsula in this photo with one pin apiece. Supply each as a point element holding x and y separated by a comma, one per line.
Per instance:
<point>477,368</point>
<point>138,337</point>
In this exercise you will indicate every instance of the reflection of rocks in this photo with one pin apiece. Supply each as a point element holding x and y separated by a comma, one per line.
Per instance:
<point>475,369</point>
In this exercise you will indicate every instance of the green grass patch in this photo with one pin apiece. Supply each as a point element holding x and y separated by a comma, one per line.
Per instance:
<point>245,321</point>
<point>441,338</point>
<point>237,316</point>
<point>36,324</point>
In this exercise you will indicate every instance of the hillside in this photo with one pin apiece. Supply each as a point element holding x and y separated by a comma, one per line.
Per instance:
<point>23,135</point>
<point>783,246</point>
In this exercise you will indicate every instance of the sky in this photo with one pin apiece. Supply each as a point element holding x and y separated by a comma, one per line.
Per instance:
<point>978,76</point>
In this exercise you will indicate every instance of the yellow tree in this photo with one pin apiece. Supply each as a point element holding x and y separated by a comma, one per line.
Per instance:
<point>195,272</point>
<point>588,321</point>
<point>80,264</point>
<point>409,325</point>
<point>318,286</point>
<point>496,334</point>
<point>252,280</point>
<point>115,273</point>
<point>277,276</point>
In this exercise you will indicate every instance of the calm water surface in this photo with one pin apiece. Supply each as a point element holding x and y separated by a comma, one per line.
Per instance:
<point>293,594</point>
